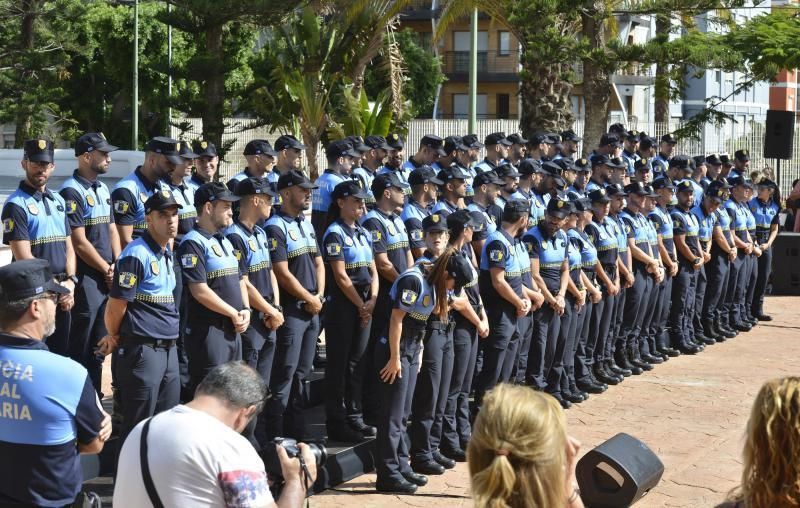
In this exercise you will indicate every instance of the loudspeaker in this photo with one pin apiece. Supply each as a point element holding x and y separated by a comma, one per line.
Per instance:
<point>779,134</point>
<point>618,473</point>
<point>786,264</point>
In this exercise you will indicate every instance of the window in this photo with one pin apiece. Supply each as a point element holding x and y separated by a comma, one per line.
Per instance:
<point>461,47</point>
<point>461,105</point>
<point>503,100</point>
<point>504,43</point>
<point>425,40</point>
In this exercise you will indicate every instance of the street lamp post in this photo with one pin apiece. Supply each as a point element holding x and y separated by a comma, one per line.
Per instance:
<point>135,133</point>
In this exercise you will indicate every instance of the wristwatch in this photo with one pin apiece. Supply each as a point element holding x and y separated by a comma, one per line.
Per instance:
<point>697,261</point>
<point>64,277</point>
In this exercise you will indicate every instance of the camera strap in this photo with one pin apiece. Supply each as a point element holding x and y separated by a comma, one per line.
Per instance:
<point>152,493</point>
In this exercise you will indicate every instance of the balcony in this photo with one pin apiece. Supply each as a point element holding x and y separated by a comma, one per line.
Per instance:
<point>493,66</point>
<point>420,10</point>
<point>635,74</point>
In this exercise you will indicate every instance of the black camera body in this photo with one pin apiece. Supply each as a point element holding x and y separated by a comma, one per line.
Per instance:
<point>273,464</point>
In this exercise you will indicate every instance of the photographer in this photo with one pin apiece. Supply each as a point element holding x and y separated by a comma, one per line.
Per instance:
<point>197,456</point>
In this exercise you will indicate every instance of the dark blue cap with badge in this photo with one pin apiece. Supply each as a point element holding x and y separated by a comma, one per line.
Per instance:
<point>642,165</point>
<point>679,162</point>
<point>718,190</point>
<point>295,178</point>
<point>259,147</point>
<point>38,150</point>
<point>459,220</point>
<point>725,158</point>
<point>186,151</point>
<point>669,138</point>
<point>161,200</point>
<point>251,186</point>
<point>551,168</point>
<point>460,269</point>
<point>558,207</point>
<point>434,142</point>
<point>569,135</point>
<point>609,139</point>
<point>377,142</point>
<point>340,148</point>
<point>26,278</point>
<point>497,138</point>
<point>168,147</point>
<point>204,149</point>
<point>517,206</point>
<point>471,141</point>
<point>538,138</point>
<point>288,141</point>
<point>358,144</point>
<point>616,189</point>
<point>434,222</point>
<point>452,143</point>
<point>599,196</point>
<point>636,188</point>
<point>699,160</point>
<point>423,175</point>
<point>489,177</point>
<point>605,160</point>
<point>663,183</point>
<point>581,204</point>
<point>506,170</point>
<point>386,180</point>
<point>651,192</point>
<point>395,141</point>
<point>92,141</point>
<point>684,186</point>
<point>714,160</point>
<point>211,192</point>
<point>566,164</point>
<point>632,135</point>
<point>516,139</point>
<point>348,188</point>
<point>740,180</point>
<point>646,142</point>
<point>451,173</point>
<point>529,166</point>
<point>742,155</point>
<point>582,165</point>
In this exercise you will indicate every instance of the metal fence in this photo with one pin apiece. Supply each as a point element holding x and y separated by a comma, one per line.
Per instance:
<point>728,138</point>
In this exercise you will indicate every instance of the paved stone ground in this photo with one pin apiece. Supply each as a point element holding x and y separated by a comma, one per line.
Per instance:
<point>691,411</point>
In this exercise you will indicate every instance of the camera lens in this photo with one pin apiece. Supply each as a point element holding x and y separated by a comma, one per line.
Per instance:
<point>320,453</point>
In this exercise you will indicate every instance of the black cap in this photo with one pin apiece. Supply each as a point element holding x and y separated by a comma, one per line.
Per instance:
<point>553,138</point>
<point>569,135</point>
<point>506,171</point>
<point>529,166</point>
<point>395,141</point>
<point>451,173</point>
<point>581,204</point>
<point>651,192</point>
<point>434,222</point>
<point>725,158</point>
<point>538,138</point>
<point>633,135</point>
<point>258,147</point>
<point>609,139</point>
<point>210,192</point>
<point>642,164</point>
<point>349,188</point>
<point>740,180</point>
<point>699,160</point>
<point>460,269</point>
<point>684,186</point>
<point>422,175</point>
<point>605,160</point>
<point>766,182</point>
<point>599,196</point>
<point>582,165</point>
<point>663,183</point>
<point>204,148</point>
<point>340,148</point>
<point>714,160</point>
<point>295,178</point>
<point>161,200</point>
<point>616,128</point>
<point>92,141</point>
<point>718,190</point>
<point>358,144</point>
<point>461,219</point>
<point>489,177</point>
<point>168,147</point>
<point>288,141</point>
<point>558,182</point>
<point>377,142</point>
<point>566,164</point>
<point>434,142</point>
<point>646,142</point>
<point>471,141</point>
<point>558,207</point>
<point>615,189</point>
<point>39,150</point>
<point>26,278</point>
<point>551,168</point>
<point>742,155</point>
<point>637,188</point>
<point>251,186</point>
<point>452,143</point>
<point>669,138</point>
<point>679,162</point>
<point>186,151</point>
<point>497,138</point>
<point>516,139</point>
<point>385,180</point>
<point>517,206</point>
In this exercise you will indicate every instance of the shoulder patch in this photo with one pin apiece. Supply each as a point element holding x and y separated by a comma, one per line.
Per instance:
<point>408,297</point>
<point>333,249</point>
<point>121,206</point>
<point>376,236</point>
<point>72,206</point>
<point>127,280</point>
<point>496,255</point>
<point>188,260</point>
<point>8,225</point>
<point>273,243</point>
<point>416,235</point>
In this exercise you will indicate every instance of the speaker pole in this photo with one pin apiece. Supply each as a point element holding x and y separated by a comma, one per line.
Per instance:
<point>778,175</point>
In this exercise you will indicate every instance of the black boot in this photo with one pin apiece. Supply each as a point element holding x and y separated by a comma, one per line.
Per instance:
<point>616,369</point>
<point>624,361</point>
<point>636,359</point>
<point>709,331</point>
<point>603,376</point>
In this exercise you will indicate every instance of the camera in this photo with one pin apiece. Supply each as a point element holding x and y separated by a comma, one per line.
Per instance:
<point>273,463</point>
<point>293,451</point>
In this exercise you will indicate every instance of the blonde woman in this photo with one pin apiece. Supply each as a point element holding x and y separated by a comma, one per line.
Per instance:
<point>520,454</point>
<point>771,477</point>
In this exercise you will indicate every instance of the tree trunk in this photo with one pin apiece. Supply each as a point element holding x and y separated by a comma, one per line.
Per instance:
<point>23,124</point>
<point>214,89</point>
<point>596,83</point>
<point>661,87</point>
<point>546,104</point>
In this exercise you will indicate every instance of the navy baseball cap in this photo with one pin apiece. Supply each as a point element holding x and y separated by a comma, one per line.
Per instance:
<point>599,196</point>
<point>26,278</point>
<point>633,135</point>
<point>605,160</point>
<point>497,138</point>
<point>616,190</point>
<point>434,142</point>
<point>349,188</point>
<point>506,171</point>
<point>684,186</point>
<point>516,139</point>
<point>651,192</point>
<point>679,162</point>
<point>384,181</point>
<point>663,183</point>
<point>642,164</point>
<point>186,151</point>
<point>461,219</point>
<point>529,167</point>
<point>637,188</point>
<point>258,147</point>
<point>422,175</point>
<point>295,178</point>
<point>569,135</point>
<point>609,139</point>
<point>669,138</point>
<point>204,149</point>
<point>340,148</point>
<point>718,190</point>
<point>251,186</point>
<point>714,160</point>
<point>434,222</point>
<point>452,143</point>
<point>489,177</point>
<point>377,142</point>
<point>168,147</point>
<point>740,180</point>
<point>725,158</point>
<point>582,165</point>
<point>566,164</point>
<point>161,200</point>
<point>699,160</point>
<point>551,168</point>
<point>518,206</point>
<point>451,173</point>
<point>558,207</point>
<point>288,141</point>
<point>742,155</point>
<point>358,144</point>
<point>211,192</point>
<point>460,269</point>
<point>39,150</point>
<point>471,141</point>
<point>92,141</point>
<point>646,142</point>
<point>395,141</point>
<point>581,204</point>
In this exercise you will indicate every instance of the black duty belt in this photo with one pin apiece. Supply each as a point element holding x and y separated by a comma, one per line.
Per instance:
<point>144,341</point>
<point>441,326</point>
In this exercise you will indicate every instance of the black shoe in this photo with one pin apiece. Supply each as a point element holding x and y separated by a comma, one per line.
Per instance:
<point>624,362</point>
<point>364,429</point>
<point>564,403</point>
<point>591,387</point>
<point>428,468</point>
<point>710,332</point>
<point>763,317</point>
<point>616,369</point>
<point>395,486</point>
<point>655,360</point>
<point>604,376</point>
<point>688,349</point>
<point>670,352</point>
<point>415,478</point>
<point>458,454</point>
<point>742,327</point>
<point>344,434</point>
<point>574,397</point>
<point>443,461</point>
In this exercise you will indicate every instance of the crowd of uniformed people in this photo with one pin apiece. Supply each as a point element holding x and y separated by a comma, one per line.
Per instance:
<point>434,273</point>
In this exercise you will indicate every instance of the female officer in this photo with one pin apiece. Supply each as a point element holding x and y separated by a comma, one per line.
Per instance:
<point>417,293</point>
<point>625,268</point>
<point>752,259</point>
<point>765,207</point>
<point>352,288</point>
<point>648,336</point>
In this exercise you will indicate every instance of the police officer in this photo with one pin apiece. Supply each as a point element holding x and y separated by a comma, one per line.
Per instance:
<point>518,148</point>
<point>548,250</point>
<point>705,212</point>
<point>51,412</point>
<point>642,172</point>
<point>569,143</point>
<point>736,207</point>
<point>300,273</point>
<point>142,318</point>
<point>765,207</point>
<point>353,292</point>
<point>723,254</point>
<point>290,152</point>
<point>251,247</point>
<point>616,340</point>
<point>218,302</point>
<point>430,149</point>
<point>340,155</point>
<point>649,336</point>
<point>35,225</point>
<point>583,174</point>
<point>205,166</point>
<point>468,158</point>
<point>394,159</point>
<point>510,177</point>
<point>96,242</point>
<point>371,162</point>
<point>601,165</point>
<point>423,184</point>
<point>128,196</point>
<point>497,146</point>
<point>453,190</point>
<point>260,158</point>
<point>486,188</point>
<point>451,146</point>
<point>661,161</point>
<point>630,145</point>
<point>741,164</point>
<point>751,262</point>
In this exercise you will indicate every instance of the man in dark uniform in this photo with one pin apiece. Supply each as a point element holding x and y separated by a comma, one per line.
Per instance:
<point>51,412</point>
<point>142,319</point>
<point>340,155</point>
<point>205,166</point>
<point>290,151</point>
<point>218,303</point>
<point>300,272</point>
<point>453,190</point>
<point>497,145</point>
<point>430,149</point>
<point>35,225</point>
<point>371,162</point>
<point>96,243</point>
<point>569,142</point>
<point>661,161</point>
<point>260,159</point>
<point>423,182</point>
